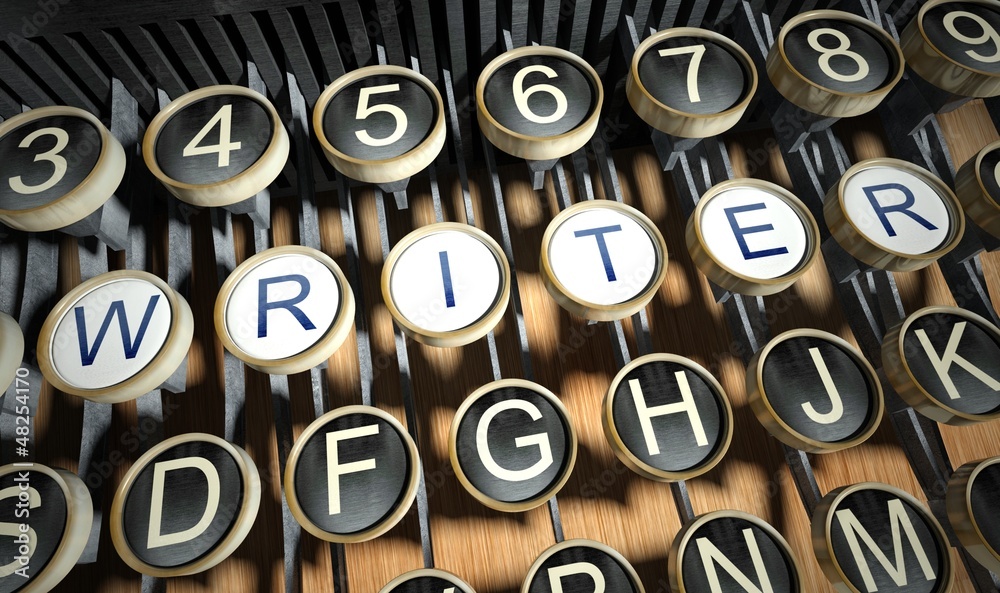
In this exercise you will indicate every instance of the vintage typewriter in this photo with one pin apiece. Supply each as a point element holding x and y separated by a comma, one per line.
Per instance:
<point>550,296</point>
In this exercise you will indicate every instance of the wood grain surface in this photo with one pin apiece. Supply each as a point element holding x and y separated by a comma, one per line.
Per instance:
<point>603,500</point>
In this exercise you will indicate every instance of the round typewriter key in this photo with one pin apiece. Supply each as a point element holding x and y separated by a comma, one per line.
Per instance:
<point>945,362</point>
<point>11,350</point>
<point>115,337</point>
<point>538,102</point>
<point>893,215</point>
<point>60,165</point>
<point>352,475</point>
<point>285,310</point>
<point>973,492</point>
<point>380,124</point>
<point>874,537</point>
<point>956,46</point>
<point>752,237</point>
<point>581,566</point>
<point>814,392</point>
<point>834,63</point>
<point>602,260</point>
<point>45,518</point>
<point>427,580</point>
<point>667,418</point>
<point>512,445</point>
<point>185,505</point>
<point>691,83</point>
<point>977,186</point>
<point>216,146</point>
<point>446,284</point>
<point>732,552</point>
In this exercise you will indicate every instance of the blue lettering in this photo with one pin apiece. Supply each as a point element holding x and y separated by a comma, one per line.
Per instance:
<point>742,231</point>
<point>602,245</point>
<point>881,210</point>
<point>449,292</point>
<point>87,355</point>
<point>264,306</point>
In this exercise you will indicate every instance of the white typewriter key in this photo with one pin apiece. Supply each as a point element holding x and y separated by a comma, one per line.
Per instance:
<point>427,580</point>
<point>352,475</point>
<point>814,392</point>
<point>956,46</point>
<point>115,337</point>
<point>185,505</point>
<point>216,146</point>
<point>446,284</point>
<point>690,82</point>
<point>752,237</point>
<point>893,215</point>
<point>732,552</point>
<point>834,64</point>
<point>60,165</point>
<point>972,498</point>
<point>875,537</point>
<point>11,350</point>
<point>538,103</point>
<point>581,566</point>
<point>380,124</point>
<point>46,517</point>
<point>602,260</point>
<point>667,418</point>
<point>512,445</point>
<point>285,310</point>
<point>977,186</point>
<point>945,362</point>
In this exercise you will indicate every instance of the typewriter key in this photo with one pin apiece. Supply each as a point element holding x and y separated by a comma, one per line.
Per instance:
<point>115,337</point>
<point>61,165</point>
<point>667,418</point>
<point>352,475</point>
<point>814,392</point>
<point>945,362</point>
<point>54,505</point>
<point>834,63</point>
<point>977,186</point>
<point>602,260</point>
<point>691,83</point>
<point>732,552</point>
<point>285,310</point>
<point>427,580</point>
<point>893,215</point>
<point>185,505</point>
<point>752,237</point>
<point>581,566</point>
<point>380,124</point>
<point>11,350</point>
<point>956,46</point>
<point>512,445</point>
<point>216,146</point>
<point>538,102</point>
<point>446,284</point>
<point>973,492</point>
<point>874,537</point>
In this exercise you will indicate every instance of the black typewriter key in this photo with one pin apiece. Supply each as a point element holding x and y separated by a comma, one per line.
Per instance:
<point>667,418</point>
<point>945,362</point>
<point>691,83</point>
<point>815,392</point>
<point>60,165</point>
<point>380,124</point>
<point>732,552</point>
<point>45,520</point>
<point>834,64</point>
<point>972,499</point>
<point>216,146</point>
<point>11,350</point>
<point>352,475</point>
<point>538,102</point>
<point>512,445</point>
<point>875,537</point>
<point>185,505</point>
<point>581,566</point>
<point>977,185</point>
<point>427,580</point>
